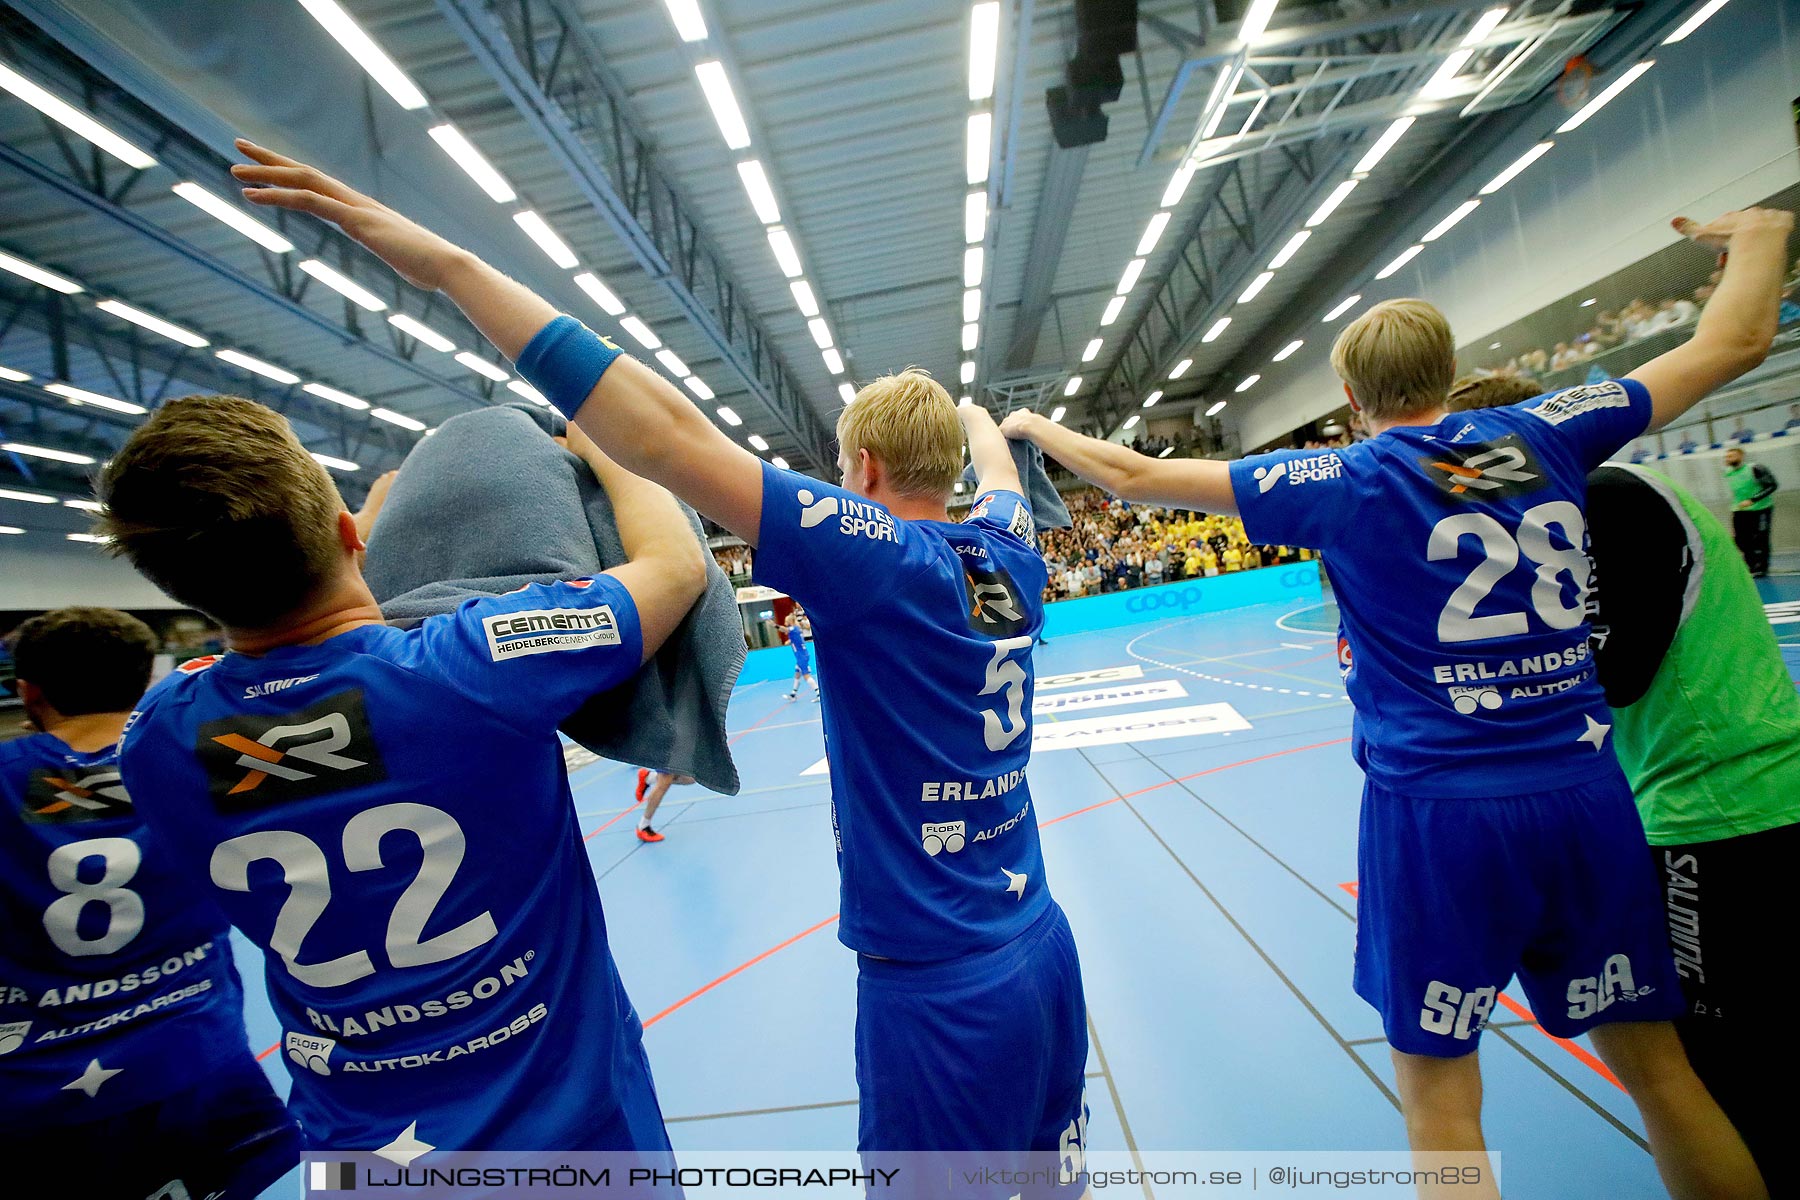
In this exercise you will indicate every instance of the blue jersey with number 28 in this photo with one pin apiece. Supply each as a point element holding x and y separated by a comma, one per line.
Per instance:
<point>924,631</point>
<point>1458,553</point>
<point>387,814</point>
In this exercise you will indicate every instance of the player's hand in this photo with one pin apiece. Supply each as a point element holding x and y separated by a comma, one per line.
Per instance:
<point>1019,424</point>
<point>1719,231</point>
<point>421,257</point>
<point>371,509</point>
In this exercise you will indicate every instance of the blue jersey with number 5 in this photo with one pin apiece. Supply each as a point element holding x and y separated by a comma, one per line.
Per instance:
<point>924,630</point>
<point>387,814</point>
<point>1458,553</point>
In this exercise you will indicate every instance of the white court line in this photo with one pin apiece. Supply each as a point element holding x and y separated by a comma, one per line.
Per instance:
<point>1131,649</point>
<point>1281,623</point>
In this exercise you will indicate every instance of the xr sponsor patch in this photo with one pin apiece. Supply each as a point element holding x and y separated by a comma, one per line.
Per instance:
<point>995,610</point>
<point>254,761</point>
<point>69,795</point>
<point>1483,471</point>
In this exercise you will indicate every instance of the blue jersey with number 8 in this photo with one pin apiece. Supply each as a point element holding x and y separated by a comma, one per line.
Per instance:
<point>924,631</point>
<point>1458,553</point>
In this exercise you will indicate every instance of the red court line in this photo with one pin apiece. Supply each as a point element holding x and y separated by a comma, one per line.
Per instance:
<point>269,1051</point>
<point>734,737</point>
<point>738,970</point>
<point>1580,1052</point>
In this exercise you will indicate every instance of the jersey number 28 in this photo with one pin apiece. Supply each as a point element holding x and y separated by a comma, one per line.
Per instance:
<point>1500,554</point>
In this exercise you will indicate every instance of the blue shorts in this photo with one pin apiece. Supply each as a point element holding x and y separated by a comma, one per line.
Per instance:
<point>984,1053</point>
<point>1456,896</point>
<point>802,663</point>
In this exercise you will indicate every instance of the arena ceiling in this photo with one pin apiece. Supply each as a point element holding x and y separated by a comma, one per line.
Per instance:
<point>693,162</point>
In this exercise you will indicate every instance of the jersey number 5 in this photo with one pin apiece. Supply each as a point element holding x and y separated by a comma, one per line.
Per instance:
<point>308,877</point>
<point>1500,554</point>
<point>1005,678</point>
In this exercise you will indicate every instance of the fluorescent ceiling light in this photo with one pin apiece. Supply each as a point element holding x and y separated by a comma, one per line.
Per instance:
<point>27,497</point>
<point>463,152</point>
<point>227,212</point>
<point>1448,223</point>
<point>238,358</point>
<point>1180,368</point>
<point>1256,20</point>
<point>1287,351</point>
<point>425,333</point>
<point>1443,80</point>
<point>803,296</point>
<point>1256,287</point>
<point>1056,414</point>
<point>1130,421</point>
<point>971,336</point>
<point>1489,21</point>
<point>966,373</point>
<point>1216,408</point>
<point>67,115</point>
<point>38,275</point>
<point>965,401</point>
<point>984,49</point>
<point>342,284</point>
<point>7,373</point>
<point>1513,172</point>
<point>368,55</point>
<point>642,332</point>
<point>779,463</point>
<point>1219,326</point>
<point>520,388</point>
<point>724,105</point>
<point>757,440</point>
<point>337,397</point>
<point>762,196</point>
<point>786,256</point>
<point>1589,302</point>
<point>1224,88</point>
<point>138,316</point>
<point>730,417</point>
<point>975,214</point>
<point>1178,184</point>
<point>821,332</point>
<point>10,529</point>
<point>600,294</point>
<point>670,360</point>
<point>1694,22</point>
<point>86,537</point>
<point>972,305</point>
<point>834,362</point>
<point>1249,382</point>
<point>1344,306</point>
<point>972,267</point>
<point>1288,251</point>
<point>539,231</point>
<point>93,506</point>
<point>78,396</point>
<point>1400,260</point>
<point>690,25</point>
<point>1382,145</point>
<point>1599,102</point>
<point>699,387</point>
<point>846,393</point>
<point>1073,386</point>
<point>1092,351</point>
<point>1129,279</point>
<point>336,464</point>
<point>481,366</point>
<point>1152,398</point>
<point>981,132</point>
<point>1153,233</point>
<point>1338,195</point>
<point>400,419</point>
<point>80,460</point>
<point>1165,452</point>
<point>1113,308</point>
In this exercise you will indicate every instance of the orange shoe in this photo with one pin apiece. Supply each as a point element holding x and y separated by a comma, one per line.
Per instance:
<point>647,834</point>
<point>643,782</point>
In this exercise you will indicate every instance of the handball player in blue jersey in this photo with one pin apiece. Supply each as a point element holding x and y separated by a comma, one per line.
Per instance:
<point>796,638</point>
<point>124,1067</point>
<point>1499,836</point>
<point>970,1022</point>
<point>386,812</point>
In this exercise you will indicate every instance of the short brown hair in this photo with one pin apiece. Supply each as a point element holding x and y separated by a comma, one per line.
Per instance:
<point>216,501</point>
<point>85,660</point>
<point>1492,391</point>
<point>909,422</point>
<point>1398,358</point>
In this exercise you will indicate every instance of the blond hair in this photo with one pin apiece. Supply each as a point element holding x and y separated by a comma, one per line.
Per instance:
<point>908,422</point>
<point>218,503</point>
<point>1491,391</point>
<point>1398,358</point>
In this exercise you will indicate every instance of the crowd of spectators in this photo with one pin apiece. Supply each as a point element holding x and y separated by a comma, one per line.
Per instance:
<point>734,561</point>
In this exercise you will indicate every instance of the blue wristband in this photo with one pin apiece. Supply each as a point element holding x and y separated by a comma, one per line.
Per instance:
<point>564,360</point>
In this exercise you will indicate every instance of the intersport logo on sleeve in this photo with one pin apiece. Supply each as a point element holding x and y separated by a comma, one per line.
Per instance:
<point>514,635</point>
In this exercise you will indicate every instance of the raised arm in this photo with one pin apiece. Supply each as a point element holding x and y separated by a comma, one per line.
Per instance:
<point>988,452</point>
<point>636,416</point>
<point>1201,483</point>
<point>1735,331</point>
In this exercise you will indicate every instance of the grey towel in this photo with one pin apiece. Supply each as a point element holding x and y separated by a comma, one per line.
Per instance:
<point>489,504</point>
<point>1047,508</point>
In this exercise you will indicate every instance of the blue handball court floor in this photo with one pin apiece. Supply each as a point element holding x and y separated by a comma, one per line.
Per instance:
<point>1193,781</point>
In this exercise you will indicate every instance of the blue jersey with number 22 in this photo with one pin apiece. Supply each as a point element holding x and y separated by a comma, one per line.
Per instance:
<point>1458,552</point>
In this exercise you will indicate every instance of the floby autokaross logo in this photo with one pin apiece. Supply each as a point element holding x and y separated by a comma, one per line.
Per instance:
<point>311,1051</point>
<point>941,837</point>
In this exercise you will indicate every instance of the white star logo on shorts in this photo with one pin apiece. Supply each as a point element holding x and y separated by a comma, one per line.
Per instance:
<point>1596,733</point>
<point>406,1147</point>
<point>91,1079</point>
<point>1014,883</point>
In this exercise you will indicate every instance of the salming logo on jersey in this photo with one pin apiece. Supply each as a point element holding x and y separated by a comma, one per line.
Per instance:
<point>253,761</point>
<point>1482,471</point>
<point>994,608</point>
<point>63,796</point>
